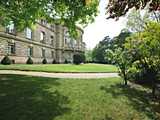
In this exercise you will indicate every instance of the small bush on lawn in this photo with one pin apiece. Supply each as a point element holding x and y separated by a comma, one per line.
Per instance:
<point>66,61</point>
<point>54,62</point>
<point>44,61</point>
<point>78,59</point>
<point>29,61</point>
<point>6,61</point>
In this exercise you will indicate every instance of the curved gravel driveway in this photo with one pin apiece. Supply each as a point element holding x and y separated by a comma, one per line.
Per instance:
<point>61,75</point>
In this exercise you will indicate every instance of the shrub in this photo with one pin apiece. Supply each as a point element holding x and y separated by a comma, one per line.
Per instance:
<point>78,58</point>
<point>29,61</point>
<point>6,61</point>
<point>54,61</point>
<point>44,61</point>
<point>66,61</point>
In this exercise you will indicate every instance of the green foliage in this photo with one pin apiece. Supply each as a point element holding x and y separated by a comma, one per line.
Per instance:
<point>122,60</point>
<point>144,49</point>
<point>78,59</point>
<point>136,21</point>
<point>6,61</point>
<point>29,61</point>
<point>44,61</point>
<point>66,61</point>
<point>54,61</point>
<point>65,12</point>
<point>88,56</point>
<point>98,54</point>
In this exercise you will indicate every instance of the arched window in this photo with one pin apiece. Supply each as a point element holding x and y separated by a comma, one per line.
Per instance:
<point>42,37</point>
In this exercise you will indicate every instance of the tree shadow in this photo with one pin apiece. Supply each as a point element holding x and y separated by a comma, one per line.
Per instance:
<point>29,98</point>
<point>139,99</point>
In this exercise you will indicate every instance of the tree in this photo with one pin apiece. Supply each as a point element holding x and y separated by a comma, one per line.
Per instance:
<point>136,21</point>
<point>119,41</point>
<point>117,8</point>
<point>88,55</point>
<point>98,54</point>
<point>78,59</point>
<point>122,60</point>
<point>66,12</point>
<point>144,48</point>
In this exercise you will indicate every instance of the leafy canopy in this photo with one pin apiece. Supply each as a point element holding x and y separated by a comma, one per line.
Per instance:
<point>117,8</point>
<point>24,13</point>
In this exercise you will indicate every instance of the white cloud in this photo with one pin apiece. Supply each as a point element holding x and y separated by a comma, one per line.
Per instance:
<point>102,27</point>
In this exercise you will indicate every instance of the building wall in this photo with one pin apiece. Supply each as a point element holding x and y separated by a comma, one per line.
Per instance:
<point>54,50</point>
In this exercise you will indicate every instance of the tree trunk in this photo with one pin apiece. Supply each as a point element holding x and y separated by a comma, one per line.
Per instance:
<point>125,78</point>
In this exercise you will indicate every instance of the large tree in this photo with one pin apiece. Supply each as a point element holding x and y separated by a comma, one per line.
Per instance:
<point>117,8</point>
<point>24,13</point>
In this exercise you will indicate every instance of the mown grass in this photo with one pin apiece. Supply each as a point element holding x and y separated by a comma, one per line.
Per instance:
<point>38,98</point>
<point>61,68</point>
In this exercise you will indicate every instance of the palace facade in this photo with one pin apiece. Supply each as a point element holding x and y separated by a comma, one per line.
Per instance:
<point>48,41</point>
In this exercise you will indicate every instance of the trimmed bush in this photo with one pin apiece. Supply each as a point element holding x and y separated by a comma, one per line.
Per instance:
<point>44,61</point>
<point>78,59</point>
<point>6,61</point>
<point>29,61</point>
<point>54,62</point>
<point>66,61</point>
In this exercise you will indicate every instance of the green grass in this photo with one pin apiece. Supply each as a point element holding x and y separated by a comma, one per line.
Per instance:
<point>38,98</point>
<point>61,67</point>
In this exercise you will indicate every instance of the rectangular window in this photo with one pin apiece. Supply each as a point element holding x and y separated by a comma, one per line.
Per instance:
<point>11,48</point>
<point>28,33</point>
<point>43,53</point>
<point>30,51</point>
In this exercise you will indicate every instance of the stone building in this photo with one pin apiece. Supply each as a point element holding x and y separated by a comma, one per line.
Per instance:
<point>48,41</point>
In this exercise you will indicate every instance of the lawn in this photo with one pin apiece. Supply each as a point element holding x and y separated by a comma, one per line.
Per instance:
<point>38,98</point>
<point>61,67</point>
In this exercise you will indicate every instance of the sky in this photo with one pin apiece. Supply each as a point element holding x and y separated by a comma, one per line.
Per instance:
<point>102,27</point>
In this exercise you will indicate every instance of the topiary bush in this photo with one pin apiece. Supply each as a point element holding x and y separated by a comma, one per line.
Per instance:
<point>77,59</point>
<point>44,61</point>
<point>6,61</point>
<point>29,61</point>
<point>66,61</point>
<point>54,61</point>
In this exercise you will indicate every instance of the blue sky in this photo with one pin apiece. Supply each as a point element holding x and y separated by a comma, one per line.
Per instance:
<point>102,27</point>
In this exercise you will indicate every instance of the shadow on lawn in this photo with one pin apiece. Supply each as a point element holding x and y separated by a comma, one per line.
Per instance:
<point>28,98</point>
<point>138,98</point>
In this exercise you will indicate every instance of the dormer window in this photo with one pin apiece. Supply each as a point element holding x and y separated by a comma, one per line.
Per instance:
<point>43,22</point>
<point>10,28</point>
<point>28,33</point>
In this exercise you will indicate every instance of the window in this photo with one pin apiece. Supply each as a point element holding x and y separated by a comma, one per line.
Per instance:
<point>10,29</point>
<point>28,33</point>
<point>52,40</point>
<point>42,37</point>
<point>11,48</point>
<point>43,22</point>
<point>43,53</point>
<point>52,27</point>
<point>30,51</point>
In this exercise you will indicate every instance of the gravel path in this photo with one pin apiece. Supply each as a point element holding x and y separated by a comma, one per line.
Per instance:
<point>61,75</point>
